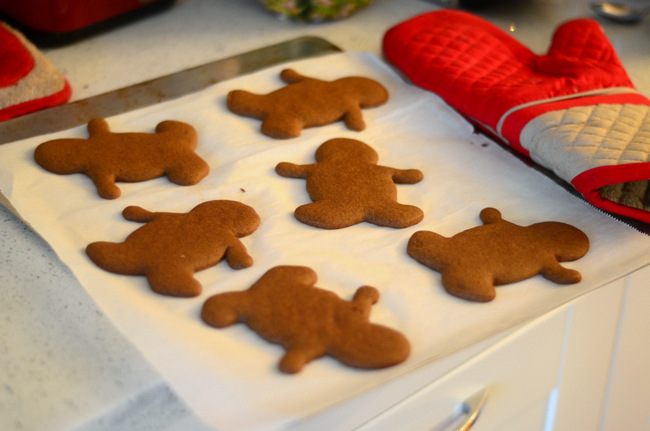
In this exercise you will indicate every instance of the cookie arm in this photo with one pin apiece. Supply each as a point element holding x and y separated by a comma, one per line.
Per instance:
<point>365,297</point>
<point>138,214</point>
<point>490,215</point>
<point>97,126</point>
<point>290,170</point>
<point>407,176</point>
<point>290,76</point>
<point>225,309</point>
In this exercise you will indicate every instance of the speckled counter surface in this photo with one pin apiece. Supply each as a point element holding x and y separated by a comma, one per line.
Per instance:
<point>64,365</point>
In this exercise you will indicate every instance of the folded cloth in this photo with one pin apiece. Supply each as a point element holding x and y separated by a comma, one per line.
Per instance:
<point>574,110</point>
<point>28,81</point>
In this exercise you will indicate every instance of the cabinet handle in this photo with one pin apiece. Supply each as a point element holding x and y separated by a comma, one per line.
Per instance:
<point>472,408</point>
<point>459,416</point>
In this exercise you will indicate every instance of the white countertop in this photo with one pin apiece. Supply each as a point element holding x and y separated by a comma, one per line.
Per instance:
<point>65,366</point>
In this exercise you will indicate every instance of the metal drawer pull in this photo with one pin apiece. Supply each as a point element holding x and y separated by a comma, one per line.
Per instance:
<point>471,409</point>
<point>419,411</point>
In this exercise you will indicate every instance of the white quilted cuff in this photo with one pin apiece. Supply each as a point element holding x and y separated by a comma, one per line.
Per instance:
<point>602,149</point>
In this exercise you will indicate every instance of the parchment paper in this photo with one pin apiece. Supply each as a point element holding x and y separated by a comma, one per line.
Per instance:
<point>229,376</point>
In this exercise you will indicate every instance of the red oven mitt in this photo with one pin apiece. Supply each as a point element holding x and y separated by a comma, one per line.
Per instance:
<point>28,81</point>
<point>573,110</point>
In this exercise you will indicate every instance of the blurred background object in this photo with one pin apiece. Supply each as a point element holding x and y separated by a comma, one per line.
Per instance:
<point>621,12</point>
<point>57,22</point>
<point>314,10</point>
<point>464,4</point>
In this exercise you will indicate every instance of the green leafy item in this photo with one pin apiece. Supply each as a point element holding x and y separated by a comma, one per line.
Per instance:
<point>315,10</point>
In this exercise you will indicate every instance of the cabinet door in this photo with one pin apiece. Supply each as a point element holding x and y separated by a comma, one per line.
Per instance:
<point>589,343</point>
<point>627,403</point>
<point>520,373</point>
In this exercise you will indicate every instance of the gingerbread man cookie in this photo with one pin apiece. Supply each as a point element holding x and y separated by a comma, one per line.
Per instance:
<point>107,157</point>
<point>348,187</point>
<point>309,102</point>
<point>171,247</point>
<point>285,307</point>
<point>472,262</point>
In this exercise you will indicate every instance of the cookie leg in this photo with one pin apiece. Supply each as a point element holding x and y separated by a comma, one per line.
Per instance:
<point>372,346</point>
<point>237,256</point>
<point>223,309</point>
<point>296,358</point>
<point>477,289</point>
<point>561,275</point>
<point>114,257</point>
<point>188,171</point>
<point>353,119</point>
<point>282,128</point>
<point>105,184</point>
<point>395,215</point>
<point>327,215</point>
<point>173,280</point>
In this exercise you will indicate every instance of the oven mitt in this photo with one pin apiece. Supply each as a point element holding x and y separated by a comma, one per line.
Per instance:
<point>574,110</point>
<point>28,81</point>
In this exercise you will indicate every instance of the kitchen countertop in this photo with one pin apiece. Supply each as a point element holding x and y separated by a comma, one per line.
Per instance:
<point>195,32</point>
<point>99,380</point>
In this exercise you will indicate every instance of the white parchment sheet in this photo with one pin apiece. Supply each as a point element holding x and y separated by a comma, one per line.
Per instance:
<point>229,376</point>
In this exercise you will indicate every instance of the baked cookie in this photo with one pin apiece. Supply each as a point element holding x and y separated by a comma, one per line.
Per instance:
<point>171,247</point>
<point>472,262</point>
<point>107,157</point>
<point>348,187</point>
<point>309,102</point>
<point>285,308</point>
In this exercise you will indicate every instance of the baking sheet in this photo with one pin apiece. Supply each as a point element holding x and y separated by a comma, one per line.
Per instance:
<point>229,376</point>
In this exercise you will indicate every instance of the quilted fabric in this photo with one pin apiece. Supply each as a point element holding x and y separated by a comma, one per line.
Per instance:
<point>585,137</point>
<point>28,81</point>
<point>573,110</point>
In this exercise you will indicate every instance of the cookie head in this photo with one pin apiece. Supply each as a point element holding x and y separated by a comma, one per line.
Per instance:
<point>567,243</point>
<point>342,150</point>
<point>61,156</point>
<point>242,220</point>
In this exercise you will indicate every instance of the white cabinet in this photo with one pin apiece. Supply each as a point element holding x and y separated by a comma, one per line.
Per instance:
<point>627,400</point>
<point>584,366</point>
<point>590,340</point>
<point>605,377</point>
<point>520,373</point>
